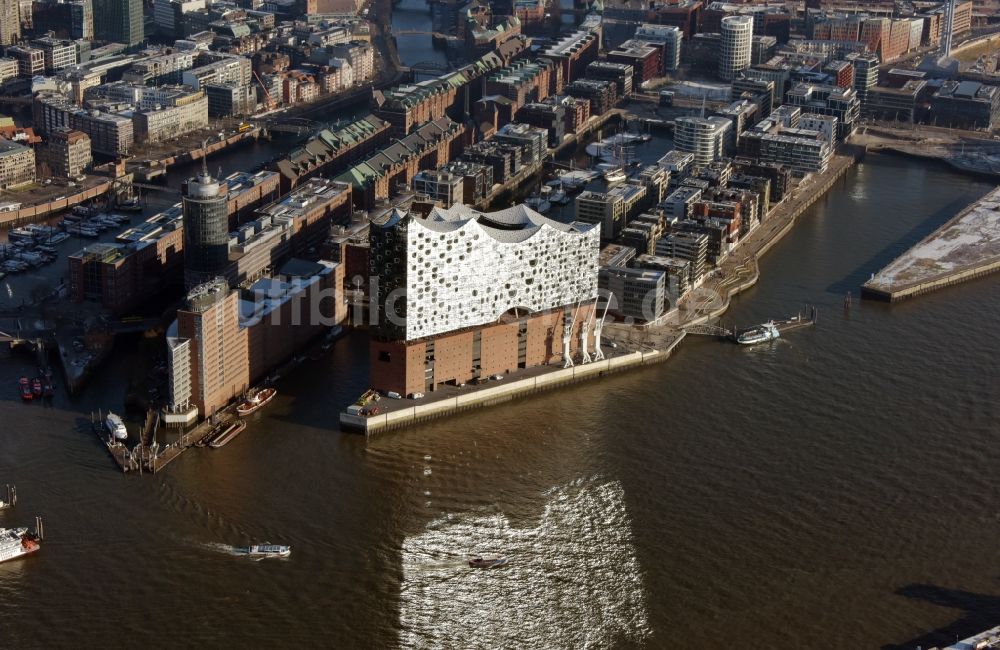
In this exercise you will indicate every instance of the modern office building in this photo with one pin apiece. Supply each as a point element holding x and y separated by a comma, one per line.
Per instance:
<point>58,53</point>
<point>441,319</point>
<point>602,94</point>
<point>442,187</point>
<point>668,38</point>
<point>119,21</point>
<point>637,294</point>
<point>10,22</point>
<point>966,104</point>
<point>30,60</point>
<point>690,246</point>
<point>643,57</point>
<point>610,210</point>
<point>822,99</point>
<point>623,74</point>
<point>17,164</point>
<point>532,139</point>
<point>896,102</point>
<point>207,356</point>
<point>737,40</point>
<point>163,122</point>
<point>549,116</point>
<point>704,137</point>
<point>800,150</point>
<point>206,230</point>
<point>865,75</point>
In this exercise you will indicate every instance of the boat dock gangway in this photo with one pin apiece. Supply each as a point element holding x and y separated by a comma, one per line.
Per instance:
<point>709,330</point>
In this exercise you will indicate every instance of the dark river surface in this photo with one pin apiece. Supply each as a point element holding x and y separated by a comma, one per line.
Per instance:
<point>835,489</point>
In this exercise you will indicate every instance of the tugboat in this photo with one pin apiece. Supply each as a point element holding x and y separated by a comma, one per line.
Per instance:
<point>36,387</point>
<point>265,550</point>
<point>25,387</point>
<point>758,334</point>
<point>255,401</point>
<point>486,563</point>
<point>48,389</point>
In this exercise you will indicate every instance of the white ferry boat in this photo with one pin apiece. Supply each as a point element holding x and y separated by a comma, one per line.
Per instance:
<point>758,334</point>
<point>265,550</point>
<point>113,423</point>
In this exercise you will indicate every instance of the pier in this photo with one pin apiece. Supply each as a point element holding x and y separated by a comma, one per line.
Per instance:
<point>964,248</point>
<point>148,456</point>
<point>797,322</point>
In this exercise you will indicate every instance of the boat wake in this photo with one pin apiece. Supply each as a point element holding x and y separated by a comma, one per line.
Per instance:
<point>218,547</point>
<point>572,581</point>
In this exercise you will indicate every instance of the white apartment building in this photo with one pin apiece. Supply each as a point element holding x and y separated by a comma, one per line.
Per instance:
<point>736,46</point>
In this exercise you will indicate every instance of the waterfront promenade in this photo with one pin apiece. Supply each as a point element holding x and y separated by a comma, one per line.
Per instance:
<point>739,271</point>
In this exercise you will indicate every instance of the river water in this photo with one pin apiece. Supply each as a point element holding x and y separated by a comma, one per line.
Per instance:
<point>834,489</point>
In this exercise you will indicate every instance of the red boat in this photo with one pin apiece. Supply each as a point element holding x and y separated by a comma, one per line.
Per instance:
<point>255,401</point>
<point>36,387</point>
<point>25,389</point>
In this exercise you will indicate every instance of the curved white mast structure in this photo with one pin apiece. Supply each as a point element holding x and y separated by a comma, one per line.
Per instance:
<point>567,338</point>
<point>598,326</point>
<point>584,344</point>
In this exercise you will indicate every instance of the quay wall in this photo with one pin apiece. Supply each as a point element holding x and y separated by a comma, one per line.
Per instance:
<point>506,392</point>
<point>931,284</point>
<point>153,167</point>
<point>31,213</point>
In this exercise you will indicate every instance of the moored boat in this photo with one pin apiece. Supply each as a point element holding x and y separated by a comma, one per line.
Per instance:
<point>16,542</point>
<point>758,334</point>
<point>36,387</point>
<point>115,426</point>
<point>255,401</point>
<point>615,175</point>
<point>227,434</point>
<point>538,204</point>
<point>25,388</point>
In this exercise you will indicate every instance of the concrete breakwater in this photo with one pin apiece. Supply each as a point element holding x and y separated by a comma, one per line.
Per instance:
<point>967,246</point>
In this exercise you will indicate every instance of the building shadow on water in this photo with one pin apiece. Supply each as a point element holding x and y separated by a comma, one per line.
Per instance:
<point>982,611</point>
<point>853,280</point>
